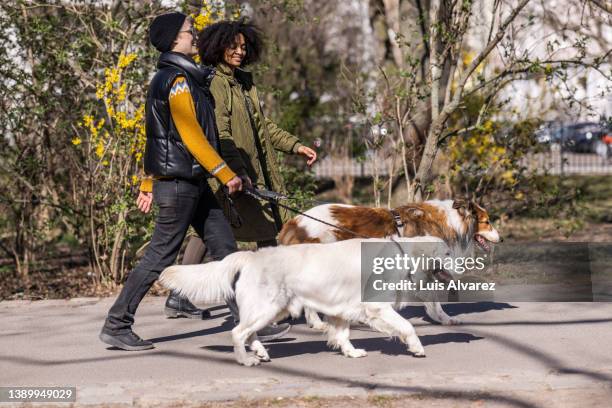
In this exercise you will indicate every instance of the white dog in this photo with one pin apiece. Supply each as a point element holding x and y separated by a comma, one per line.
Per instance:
<point>275,282</point>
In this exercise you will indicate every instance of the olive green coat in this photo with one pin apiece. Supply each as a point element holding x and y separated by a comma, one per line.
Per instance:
<point>240,151</point>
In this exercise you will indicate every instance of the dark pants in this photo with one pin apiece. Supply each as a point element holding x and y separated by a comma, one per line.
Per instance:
<point>181,203</point>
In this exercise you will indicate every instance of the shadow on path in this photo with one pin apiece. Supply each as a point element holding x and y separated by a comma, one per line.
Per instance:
<point>391,347</point>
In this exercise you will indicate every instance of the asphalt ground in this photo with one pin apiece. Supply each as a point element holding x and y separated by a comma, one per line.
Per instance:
<point>520,354</point>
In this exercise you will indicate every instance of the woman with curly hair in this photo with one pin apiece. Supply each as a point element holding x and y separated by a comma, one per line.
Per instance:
<point>248,138</point>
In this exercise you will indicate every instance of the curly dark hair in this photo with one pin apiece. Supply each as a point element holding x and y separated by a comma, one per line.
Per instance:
<point>216,38</point>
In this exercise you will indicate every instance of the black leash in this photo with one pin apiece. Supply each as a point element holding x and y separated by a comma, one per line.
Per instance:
<point>275,197</point>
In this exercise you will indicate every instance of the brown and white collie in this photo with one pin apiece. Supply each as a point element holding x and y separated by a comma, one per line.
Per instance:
<point>460,223</point>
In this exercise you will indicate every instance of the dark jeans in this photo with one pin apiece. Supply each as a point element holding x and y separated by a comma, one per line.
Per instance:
<point>181,203</point>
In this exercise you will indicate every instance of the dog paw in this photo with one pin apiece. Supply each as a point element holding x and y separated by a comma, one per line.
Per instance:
<point>417,351</point>
<point>319,326</point>
<point>262,356</point>
<point>451,321</point>
<point>250,361</point>
<point>356,353</point>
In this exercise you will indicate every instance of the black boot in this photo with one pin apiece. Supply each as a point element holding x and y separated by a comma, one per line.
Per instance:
<point>129,341</point>
<point>177,306</point>
<point>273,331</point>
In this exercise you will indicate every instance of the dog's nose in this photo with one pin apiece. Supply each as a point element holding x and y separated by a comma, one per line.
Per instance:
<point>501,239</point>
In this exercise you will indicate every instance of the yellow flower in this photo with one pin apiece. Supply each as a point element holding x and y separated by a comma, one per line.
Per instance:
<point>112,76</point>
<point>88,120</point>
<point>139,113</point>
<point>202,20</point>
<point>125,60</point>
<point>100,92</point>
<point>100,149</point>
<point>134,179</point>
<point>121,92</point>
<point>76,141</point>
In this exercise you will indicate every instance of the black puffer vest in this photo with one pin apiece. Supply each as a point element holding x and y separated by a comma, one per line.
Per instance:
<point>165,154</point>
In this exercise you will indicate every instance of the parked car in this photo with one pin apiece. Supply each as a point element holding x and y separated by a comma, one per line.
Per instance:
<point>579,137</point>
<point>582,137</point>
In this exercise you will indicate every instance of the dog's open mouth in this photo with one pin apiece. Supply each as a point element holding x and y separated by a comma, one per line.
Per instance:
<point>482,243</point>
<point>442,275</point>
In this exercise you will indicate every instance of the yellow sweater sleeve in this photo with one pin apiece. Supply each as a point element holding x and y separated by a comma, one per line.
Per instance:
<point>146,185</point>
<point>183,114</point>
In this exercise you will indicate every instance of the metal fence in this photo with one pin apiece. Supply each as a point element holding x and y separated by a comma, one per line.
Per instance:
<point>334,167</point>
<point>555,161</point>
<point>558,161</point>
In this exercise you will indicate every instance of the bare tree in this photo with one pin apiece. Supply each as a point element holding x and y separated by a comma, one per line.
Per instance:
<point>431,67</point>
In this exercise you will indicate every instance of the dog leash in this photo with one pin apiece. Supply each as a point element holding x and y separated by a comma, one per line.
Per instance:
<point>274,197</point>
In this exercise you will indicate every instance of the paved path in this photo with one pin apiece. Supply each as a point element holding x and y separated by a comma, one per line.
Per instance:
<point>524,354</point>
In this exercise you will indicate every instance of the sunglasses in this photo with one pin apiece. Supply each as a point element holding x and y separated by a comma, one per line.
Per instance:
<point>192,30</point>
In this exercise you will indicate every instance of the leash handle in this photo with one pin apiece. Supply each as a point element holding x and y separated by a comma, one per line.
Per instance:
<point>229,208</point>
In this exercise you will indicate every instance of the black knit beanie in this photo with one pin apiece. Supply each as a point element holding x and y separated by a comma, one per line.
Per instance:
<point>164,29</point>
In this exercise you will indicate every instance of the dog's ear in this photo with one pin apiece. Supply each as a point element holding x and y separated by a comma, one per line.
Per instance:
<point>463,207</point>
<point>460,205</point>
<point>414,212</point>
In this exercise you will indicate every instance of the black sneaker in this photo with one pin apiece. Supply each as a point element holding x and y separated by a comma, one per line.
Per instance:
<point>129,341</point>
<point>178,306</point>
<point>273,331</point>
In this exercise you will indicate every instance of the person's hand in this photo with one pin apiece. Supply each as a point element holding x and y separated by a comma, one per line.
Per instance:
<point>144,201</point>
<point>247,184</point>
<point>234,185</point>
<point>309,153</point>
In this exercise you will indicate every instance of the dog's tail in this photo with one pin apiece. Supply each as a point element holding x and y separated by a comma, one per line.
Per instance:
<point>207,283</point>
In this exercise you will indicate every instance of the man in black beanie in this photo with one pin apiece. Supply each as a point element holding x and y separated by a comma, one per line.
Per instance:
<point>180,153</point>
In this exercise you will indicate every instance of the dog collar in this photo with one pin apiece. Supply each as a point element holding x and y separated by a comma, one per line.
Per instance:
<point>398,222</point>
